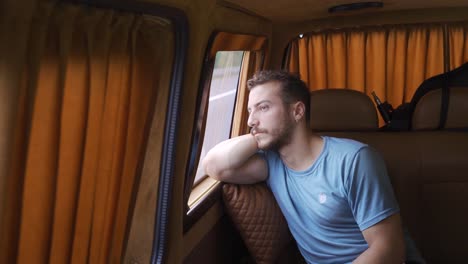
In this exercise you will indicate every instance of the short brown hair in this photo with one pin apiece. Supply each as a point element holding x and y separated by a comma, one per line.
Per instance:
<point>293,89</point>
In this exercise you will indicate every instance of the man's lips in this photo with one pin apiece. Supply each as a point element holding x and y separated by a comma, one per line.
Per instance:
<point>257,131</point>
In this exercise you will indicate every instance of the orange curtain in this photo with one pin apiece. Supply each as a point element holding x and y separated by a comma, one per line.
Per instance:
<point>251,63</point>
<point>390,61</point>
<point>225,41</point>
<point>89,85</point>
<point>458,39</point>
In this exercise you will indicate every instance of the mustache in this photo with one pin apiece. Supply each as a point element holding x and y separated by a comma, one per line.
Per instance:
<point>256,130</point>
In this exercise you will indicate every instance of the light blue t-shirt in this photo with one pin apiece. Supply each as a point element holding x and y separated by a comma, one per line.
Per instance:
<point>327,206</point>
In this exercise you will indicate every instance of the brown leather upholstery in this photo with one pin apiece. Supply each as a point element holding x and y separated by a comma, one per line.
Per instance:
<point>342,110</point>
<point>256,215</point>
<point>429,174</point>
<point>427,112</point>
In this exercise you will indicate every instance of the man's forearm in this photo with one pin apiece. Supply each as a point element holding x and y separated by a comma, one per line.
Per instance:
<point>371,256</point>
<point>386,243</point>
<point>229,154</point>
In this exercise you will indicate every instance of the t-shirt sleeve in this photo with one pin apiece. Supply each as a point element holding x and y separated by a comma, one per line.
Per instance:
<point>370,193</point>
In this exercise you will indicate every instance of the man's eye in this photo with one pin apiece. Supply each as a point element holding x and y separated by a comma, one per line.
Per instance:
<point>263,107</point>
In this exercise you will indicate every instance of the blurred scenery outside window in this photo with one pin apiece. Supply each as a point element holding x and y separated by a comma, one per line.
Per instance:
<point>222,99</point>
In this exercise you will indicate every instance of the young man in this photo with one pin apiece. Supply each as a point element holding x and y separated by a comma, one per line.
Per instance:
<point>334,193</point>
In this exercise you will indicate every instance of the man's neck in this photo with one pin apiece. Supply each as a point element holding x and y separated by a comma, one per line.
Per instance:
<point>303,150</point>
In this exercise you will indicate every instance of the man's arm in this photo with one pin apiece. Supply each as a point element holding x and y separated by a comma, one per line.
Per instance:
<point>371,197</point>
<point>235,160</point>
<point>386,243</point>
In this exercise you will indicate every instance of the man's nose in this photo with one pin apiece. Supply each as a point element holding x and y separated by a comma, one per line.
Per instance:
<point>252,121</point>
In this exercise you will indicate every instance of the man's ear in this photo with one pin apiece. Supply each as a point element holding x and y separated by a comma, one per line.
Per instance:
<point>298,110</point>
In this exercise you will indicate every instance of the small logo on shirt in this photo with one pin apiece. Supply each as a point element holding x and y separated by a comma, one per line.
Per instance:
<point>322,198</point>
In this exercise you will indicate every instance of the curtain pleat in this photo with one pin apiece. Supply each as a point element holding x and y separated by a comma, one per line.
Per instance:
<point>15,111</point>
<point>73,115</point>
<point>336,55</point>
<point>225,41</point>
<point>112,135</point>
<point>98,40</point>
<point>12,189</point>
<point>308,59</point>
<point>375,67</point>
<point>356,59</point>
<point>336,60</point>
<point>458,42</point>
<point>397,40</point>
<point>85,103</point>
<point>435,58</point>
<point>42,157</point>
<point>416,61</point>
<point>292,59</point>
<point>250,64</point>
<point>303,59</point>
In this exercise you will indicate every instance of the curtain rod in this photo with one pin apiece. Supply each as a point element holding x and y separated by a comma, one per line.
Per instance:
<point>383,26</point>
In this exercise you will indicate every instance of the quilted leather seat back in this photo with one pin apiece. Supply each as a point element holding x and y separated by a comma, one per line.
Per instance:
<point>257,217</point>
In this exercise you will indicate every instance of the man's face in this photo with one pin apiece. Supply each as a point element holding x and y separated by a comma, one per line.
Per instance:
<point>270,120</point>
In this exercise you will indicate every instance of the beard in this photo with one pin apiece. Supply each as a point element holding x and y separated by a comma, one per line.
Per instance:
<point>281,136</point>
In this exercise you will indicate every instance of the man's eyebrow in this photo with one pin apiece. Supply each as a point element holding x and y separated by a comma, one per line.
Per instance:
<point>261,102</point>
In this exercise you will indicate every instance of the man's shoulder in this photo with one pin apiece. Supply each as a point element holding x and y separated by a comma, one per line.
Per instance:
<point>344,146</point>
<point>354,152</point>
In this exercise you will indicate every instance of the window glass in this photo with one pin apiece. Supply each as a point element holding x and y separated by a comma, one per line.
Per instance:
<point>222,99</point>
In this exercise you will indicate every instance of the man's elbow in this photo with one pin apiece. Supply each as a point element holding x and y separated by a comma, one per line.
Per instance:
<point>208,167</point>
<point>212,170</point>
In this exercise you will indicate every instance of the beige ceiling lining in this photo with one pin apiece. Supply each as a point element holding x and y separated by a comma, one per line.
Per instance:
<point>239,8</point>
<point>284,11</point>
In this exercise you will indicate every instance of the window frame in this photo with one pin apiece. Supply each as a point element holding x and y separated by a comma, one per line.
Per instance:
<point>211,193</point>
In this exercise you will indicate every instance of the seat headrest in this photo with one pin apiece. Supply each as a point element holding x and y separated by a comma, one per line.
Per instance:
<point>342,110</point>
<point>426,114</point>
